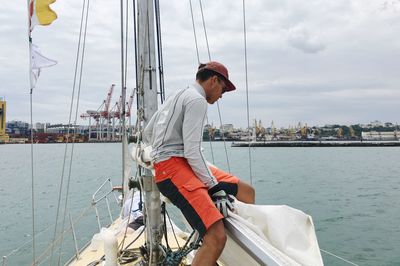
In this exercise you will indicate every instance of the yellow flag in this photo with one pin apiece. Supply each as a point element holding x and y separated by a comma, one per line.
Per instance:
<point>41,13</point>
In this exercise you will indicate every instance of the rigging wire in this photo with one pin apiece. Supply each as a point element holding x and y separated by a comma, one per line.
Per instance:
<point>198,62</point>
<point>247,86</point>
<point>126,61</point>
<point>123,91</point>
<point>66,231</point>
<point>159,49</point>
<point>33,182</point>
<point>135,32</point>
<point>205,30</point>
<point>209,57</point>
<point>126,40</point>
<point>74,127</point>
<point>68,129</point>
<point>194,31</point>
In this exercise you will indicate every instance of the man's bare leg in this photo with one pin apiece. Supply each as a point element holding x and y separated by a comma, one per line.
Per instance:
<point>213,243</point>
<point>246,193</point>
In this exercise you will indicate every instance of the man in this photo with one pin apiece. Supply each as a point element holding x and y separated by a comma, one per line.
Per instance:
<point>175,133</point>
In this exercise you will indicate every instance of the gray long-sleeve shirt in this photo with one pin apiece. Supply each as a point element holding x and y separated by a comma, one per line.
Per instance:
<point>176,129</point>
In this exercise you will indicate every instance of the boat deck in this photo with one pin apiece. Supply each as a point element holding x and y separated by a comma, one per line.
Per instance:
<point>89,256</point>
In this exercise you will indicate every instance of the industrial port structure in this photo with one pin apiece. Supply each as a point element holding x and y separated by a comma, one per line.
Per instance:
<point>107,121</point>
<point>4,138</point>
<point>105,125</point>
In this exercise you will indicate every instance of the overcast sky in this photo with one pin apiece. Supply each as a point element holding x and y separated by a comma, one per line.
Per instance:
<point>318,62</point>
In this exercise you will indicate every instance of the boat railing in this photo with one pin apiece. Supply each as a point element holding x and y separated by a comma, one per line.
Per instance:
<point>102,193</point>
<point>105,193</point>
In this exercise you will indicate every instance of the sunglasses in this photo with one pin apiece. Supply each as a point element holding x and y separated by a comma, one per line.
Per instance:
<point>224,88</point>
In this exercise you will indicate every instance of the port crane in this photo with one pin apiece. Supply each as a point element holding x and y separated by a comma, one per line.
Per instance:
<point>100,116</point>
<point>108,118</point>
<point>129,107</point>
<point>105,114</point>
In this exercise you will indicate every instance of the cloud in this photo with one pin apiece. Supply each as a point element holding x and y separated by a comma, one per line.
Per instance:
<point>301,39</point>
<point>308,60</point>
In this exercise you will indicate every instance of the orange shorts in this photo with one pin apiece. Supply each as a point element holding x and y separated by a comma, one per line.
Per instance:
<point>177,181</point>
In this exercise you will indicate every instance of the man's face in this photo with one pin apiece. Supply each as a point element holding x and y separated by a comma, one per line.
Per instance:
<point>217,87</point>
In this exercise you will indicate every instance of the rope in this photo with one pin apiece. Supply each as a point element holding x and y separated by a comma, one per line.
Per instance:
<point>329,253</point>
<point>131,203</point>
<point>247,85</point>
<point>173,258</point>
<point>164,213</point>
<point>121,245</point>
<point>209,57</point>
<point>172,227</point>
<point>69,229</point>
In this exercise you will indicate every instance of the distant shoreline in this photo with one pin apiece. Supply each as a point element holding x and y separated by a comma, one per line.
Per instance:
<point>317,143</point>
<point>276,143</point>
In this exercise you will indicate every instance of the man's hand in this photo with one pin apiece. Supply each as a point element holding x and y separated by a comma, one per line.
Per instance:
<point>221,200</point>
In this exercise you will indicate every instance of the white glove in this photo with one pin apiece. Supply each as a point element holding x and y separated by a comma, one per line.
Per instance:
<point>221,200</point>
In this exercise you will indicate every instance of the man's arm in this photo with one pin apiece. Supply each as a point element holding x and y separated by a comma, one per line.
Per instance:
<point>148,131</point>
<point>192,132</point>
<point>194,117</point>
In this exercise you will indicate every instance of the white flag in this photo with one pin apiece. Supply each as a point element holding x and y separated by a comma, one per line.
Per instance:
<point>37,62</point>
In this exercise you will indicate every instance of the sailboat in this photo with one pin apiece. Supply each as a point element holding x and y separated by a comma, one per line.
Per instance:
<point>257,235</point>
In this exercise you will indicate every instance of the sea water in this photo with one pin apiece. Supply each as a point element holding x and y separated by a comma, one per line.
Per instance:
<point>353,195</point>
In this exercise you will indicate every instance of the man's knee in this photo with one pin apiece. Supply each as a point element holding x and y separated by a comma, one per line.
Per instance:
<point>216,235</point>
<point>252,194</point>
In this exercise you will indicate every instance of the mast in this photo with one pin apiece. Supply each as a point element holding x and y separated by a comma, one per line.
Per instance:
<point>147,106</point>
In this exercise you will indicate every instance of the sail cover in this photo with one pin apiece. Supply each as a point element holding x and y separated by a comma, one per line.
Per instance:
<point>282,230</point>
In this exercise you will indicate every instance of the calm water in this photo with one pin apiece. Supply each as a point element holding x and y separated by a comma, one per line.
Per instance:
<point>353,194</point>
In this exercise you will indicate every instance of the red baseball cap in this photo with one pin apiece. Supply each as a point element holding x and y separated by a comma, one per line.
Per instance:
<point>222,70</point>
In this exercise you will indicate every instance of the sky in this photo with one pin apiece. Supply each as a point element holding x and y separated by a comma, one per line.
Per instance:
<point>315,62</point>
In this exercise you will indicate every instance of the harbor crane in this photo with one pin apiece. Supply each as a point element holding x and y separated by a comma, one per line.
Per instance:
<point>100,115</point>
<point>108,118</point>
<point>116,114</point>
<point>105,114</point>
